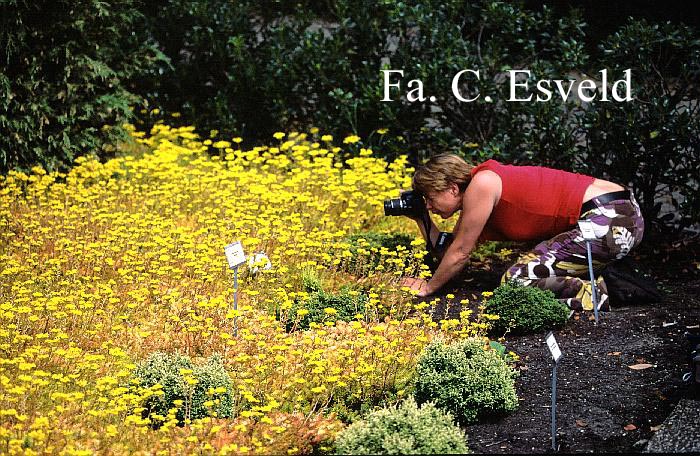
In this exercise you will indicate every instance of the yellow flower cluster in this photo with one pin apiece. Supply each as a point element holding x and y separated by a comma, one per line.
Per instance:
<point>109,262</point>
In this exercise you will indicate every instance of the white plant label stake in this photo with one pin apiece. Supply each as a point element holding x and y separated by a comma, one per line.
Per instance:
<point>556,356</point>
<point>234,254</point>
<point>586,227</point>
<point>553,347</point>
<point>235,257</point>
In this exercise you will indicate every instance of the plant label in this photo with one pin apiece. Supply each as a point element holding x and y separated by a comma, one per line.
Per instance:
<point>259,261</point>
<point>553,346</point>
<point>234,254</point>
<point>586,227</point>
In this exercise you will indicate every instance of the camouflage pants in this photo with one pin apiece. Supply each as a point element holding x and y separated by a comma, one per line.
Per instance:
<point>560,264</point>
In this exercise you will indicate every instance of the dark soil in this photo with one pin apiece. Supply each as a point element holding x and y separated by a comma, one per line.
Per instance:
<point>603,405</point>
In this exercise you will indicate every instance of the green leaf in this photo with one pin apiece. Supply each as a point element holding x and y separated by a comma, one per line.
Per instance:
<point>500,348</point>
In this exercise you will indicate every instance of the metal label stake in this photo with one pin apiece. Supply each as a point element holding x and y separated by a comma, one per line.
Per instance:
<point>235,301</point>
<point>589,235</point>
<point>235,257</point>
<point>556,356</point>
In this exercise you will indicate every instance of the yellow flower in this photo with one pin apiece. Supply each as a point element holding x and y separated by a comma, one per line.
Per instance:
<point>382,131</point>
<point>352,139</point>
<point>327,138</point>
<point>278,135</point>
<point>221,144</point>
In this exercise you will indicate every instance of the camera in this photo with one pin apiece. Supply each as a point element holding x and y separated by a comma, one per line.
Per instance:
<point>410,203</point>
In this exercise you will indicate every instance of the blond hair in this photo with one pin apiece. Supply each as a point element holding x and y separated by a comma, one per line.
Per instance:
<point>440,171</point>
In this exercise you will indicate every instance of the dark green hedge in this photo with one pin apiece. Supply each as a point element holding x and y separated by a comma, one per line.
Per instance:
<point>257,70</point>
<point>653,143</point>
<point>64,66</point>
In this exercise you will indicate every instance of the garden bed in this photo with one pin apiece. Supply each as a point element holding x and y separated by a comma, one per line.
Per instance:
<point>603,404</point>
<point>114,262</point>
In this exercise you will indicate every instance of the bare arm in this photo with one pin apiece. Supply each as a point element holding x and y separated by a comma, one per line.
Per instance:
<point>478,202</point>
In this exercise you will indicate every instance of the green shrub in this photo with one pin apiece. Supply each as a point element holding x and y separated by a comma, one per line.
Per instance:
<point>406,429</point>
<point>65,72</point>
<point>311,282</point>
<point>525,310</point>
<point>324,306</point>
<point>389,241</point>
<point>466,379</point>
<point>171,372</point>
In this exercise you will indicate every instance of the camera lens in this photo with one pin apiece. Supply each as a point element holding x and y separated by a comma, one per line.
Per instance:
<point>410,203</point>
<point>393,207</point>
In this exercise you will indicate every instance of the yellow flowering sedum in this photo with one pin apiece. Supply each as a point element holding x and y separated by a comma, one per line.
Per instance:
<point>109,262</point>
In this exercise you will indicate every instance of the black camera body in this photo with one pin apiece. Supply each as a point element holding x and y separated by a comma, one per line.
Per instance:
<point>410,203</point>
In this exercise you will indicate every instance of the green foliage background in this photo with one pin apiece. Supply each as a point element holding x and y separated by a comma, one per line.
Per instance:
<point>65,68</point>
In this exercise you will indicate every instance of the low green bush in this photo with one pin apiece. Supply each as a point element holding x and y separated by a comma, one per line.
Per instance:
<point>325,306</point>
<point>171,372</point>
<point>467,379</point>
<point>390,241</point>
<point>311,282</point>
<point>523,310</point>
<point>406,429</point>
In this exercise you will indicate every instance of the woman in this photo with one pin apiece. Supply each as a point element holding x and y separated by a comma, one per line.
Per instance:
<point>527,203</point>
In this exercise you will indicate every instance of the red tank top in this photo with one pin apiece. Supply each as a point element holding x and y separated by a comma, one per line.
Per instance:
<point>536,203</point>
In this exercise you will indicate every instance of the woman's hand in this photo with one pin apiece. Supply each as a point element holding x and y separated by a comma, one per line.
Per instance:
<point>419,285</point>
